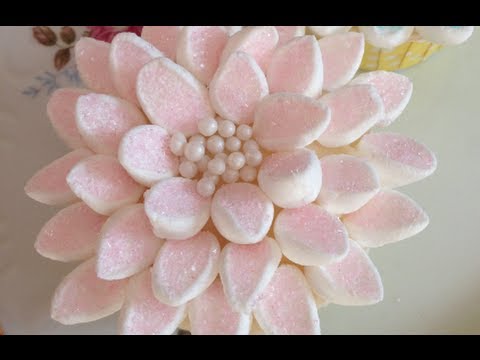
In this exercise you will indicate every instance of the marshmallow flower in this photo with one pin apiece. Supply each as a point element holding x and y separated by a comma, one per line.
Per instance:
<point>225,179</point>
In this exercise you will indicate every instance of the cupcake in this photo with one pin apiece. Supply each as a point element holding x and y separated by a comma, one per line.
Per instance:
<point>399,47</point>
<point>225,180</point>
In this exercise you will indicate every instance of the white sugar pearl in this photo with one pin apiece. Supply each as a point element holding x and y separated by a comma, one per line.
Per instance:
<point>177,143</point>
<point>199,138</point>
<point>205,187</point>
<point>187,169</point>
<point>194,151</point>
<point>244,132</point>
<point>215,144</point>
<point>250,145</point>
<point>226,128</point>
<point>216,166</point>
<point>207,126</point>
<point>215,178</point>
<point>222,156</point>
<point>248,173</point>
<point>253,157</point>
<point>236,160</point>
<point>230,176</point>
<point>233,144</point>
<point>202,163</point>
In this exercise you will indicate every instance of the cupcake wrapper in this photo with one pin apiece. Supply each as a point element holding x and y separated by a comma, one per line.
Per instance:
<point>400,57</point>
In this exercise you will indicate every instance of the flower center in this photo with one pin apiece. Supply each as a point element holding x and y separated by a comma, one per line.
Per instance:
<point>219,152</point>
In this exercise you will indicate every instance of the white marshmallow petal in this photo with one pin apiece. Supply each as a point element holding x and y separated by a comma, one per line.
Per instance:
<point>445,35</point>
<point>242,213</point>
<point>175,208</point>
<point>386,37</point>
<point>291,179</point>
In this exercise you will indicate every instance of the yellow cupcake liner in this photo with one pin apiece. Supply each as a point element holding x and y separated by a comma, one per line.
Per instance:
<point>401,57</point>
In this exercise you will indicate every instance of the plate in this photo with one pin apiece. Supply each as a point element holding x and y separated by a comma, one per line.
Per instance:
<point>431,280</point>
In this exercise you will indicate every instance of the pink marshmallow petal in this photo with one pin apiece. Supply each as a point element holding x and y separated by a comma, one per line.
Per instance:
<point>102,120</point>
<point>199,50</point>
<point>341,55</point>
<point>102,183</point>
<point>211,314</point>
<point>297,67</point>
<point>291,179</point>
<point>49,185</point>
<point>172,97</point>
<point>389,217</point>
<point>355,109</point>
<point>354,280</point>
<point>287,306</point>
<point>128,54</point>
<point>175,209</point>
<point>399,160</point>
<point>71,235</point>
<point>184,269</point>
<point>286,33</point>
<point>310,235</point>
<point>328,30</point>
<point>242,213</point>
<point>61,112</point>
<point>143,314</point>
<point>83,297</point>
<point>348,183</point>
<point>145,153</point>
<point>237,86</point>
<point>164,38</point>
<point>127,244</point>
<point>286,122</point>
<point>394,89</point>
<point>257,41</point>
<point>92,59</point>
<point>246,270</point>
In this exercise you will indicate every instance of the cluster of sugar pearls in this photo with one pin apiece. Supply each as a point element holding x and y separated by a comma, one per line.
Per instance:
<point>220,151</point>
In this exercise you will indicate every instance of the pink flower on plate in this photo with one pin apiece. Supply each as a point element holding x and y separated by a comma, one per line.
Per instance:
<point>107,33</point>
<point>225,180</point>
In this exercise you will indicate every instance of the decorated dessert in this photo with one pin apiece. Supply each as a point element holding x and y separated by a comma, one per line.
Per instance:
<point>225,180</point>
<point>399,47</point>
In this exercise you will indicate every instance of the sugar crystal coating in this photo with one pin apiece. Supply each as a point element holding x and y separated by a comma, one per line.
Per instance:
<point>143,314</point>
<point>83,297</point>
<point>310,235</point>
<point>127,244</point>
<point>183,269</point>
<point>70,235</point>
<point>287,305</point>
<point>175,209</point>
<point>353,280</point>
<point>211,314</point>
